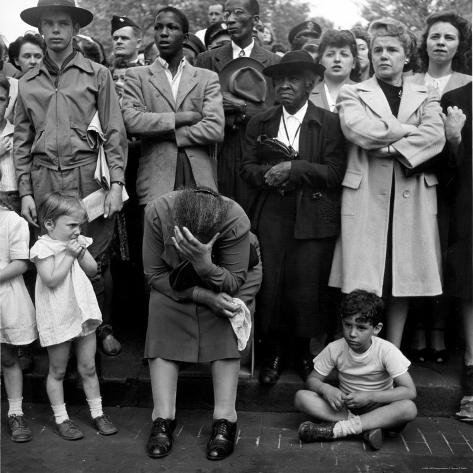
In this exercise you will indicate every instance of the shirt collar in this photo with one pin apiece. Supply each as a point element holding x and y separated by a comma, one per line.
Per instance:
<point>236,49</point>
<point>8,129</point>
<point>299,115</point>
<point>165,64</point>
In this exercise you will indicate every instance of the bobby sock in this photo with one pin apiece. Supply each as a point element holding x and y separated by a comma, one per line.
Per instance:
<point>60,413</point>
<point>14,407</point>
<point>351,426</point>
<point>95,406</point>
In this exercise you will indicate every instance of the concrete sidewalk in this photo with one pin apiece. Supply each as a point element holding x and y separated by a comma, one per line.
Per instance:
<point>267,443</point>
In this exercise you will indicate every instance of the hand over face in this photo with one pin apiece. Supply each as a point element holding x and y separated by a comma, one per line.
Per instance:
<point>199,254</point>
<point>74,248</point>
<point>278,174</point>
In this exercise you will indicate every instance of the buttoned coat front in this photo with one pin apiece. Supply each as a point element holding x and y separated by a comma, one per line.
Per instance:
<point>149,112</point>
<point>417,135</point>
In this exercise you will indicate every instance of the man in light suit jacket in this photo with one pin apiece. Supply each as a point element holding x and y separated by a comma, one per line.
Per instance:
<point>241,16</point>
<point>177,111</point>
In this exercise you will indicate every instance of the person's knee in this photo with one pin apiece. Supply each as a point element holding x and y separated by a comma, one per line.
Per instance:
<point>407,410</point>
<point>57,372</point>
<point>87,369</point>
<point>8,359</point>
<point>303,397</point>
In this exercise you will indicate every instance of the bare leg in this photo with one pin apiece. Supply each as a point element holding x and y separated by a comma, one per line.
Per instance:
<point>58,356</point>
<point>225,382</point>
<point>390,415</point>
<point>396,315</point>
<point>164,376</point>
<point>467,312</point>
<point>85,348</point>
<point>12,372</point>
<point>316,406</point>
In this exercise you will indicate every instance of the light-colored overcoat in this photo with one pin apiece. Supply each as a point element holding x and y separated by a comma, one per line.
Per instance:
<point>457,79</point>
<point>416,135</point>
<point>149,111</point>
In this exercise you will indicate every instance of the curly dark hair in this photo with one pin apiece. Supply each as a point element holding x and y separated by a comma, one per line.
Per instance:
<point>15,47</point>
<point>460,60</point>
<point>368,305</point>
<point>202,210</point>
<point>339,39</point>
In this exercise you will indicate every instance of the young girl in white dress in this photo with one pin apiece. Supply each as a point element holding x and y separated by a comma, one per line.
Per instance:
<point>67,312</point>
<point>17,317</point>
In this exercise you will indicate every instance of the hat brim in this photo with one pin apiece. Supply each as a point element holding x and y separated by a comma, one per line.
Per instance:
<point>32,16</point>
<point>295,66</point>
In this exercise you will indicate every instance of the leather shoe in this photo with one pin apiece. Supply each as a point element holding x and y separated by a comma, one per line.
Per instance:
<point>160,439</point>
<point>271,371</point>
<point>222,439</point>
<point>304,367</point>
<point>19,430</point>
<point>314,432</point>
<point>104,425</point>
<point>374,438</point>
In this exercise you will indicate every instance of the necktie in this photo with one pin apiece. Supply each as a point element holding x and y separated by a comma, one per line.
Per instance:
<point>241,53</point>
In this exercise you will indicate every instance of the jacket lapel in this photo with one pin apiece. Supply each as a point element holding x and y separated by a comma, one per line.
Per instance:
<point>160,82</point>
<point>223,55</point>
<point>318,97</point>
<point>260,54</point>
<point>373,96</point>
<point>412,97</point>
<point>187,83</point>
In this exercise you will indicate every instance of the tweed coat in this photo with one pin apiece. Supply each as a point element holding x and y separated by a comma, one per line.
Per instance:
<point>149,111</point>
<point>417,135</point>
<point>230,154</point>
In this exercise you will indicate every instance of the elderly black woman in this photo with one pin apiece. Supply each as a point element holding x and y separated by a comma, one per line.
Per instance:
<point>295,213</point>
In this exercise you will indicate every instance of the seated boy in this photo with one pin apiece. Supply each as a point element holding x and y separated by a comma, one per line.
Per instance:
<point>375,389</point>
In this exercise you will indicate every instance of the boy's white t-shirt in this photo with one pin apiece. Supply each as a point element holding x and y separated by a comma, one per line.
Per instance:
<point>373,370</point>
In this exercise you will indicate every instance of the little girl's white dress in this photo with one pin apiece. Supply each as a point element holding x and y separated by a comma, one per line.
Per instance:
<point>70,309</point>
<point>17,317</point>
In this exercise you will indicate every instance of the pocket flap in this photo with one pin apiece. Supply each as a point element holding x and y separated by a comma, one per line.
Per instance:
<point>430,180</point>
<point>352,179</point>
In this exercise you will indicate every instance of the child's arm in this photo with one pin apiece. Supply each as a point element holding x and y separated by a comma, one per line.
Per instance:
<point>13,269</point>
<point>404,389</point>
<point>52,273</point>
<point>87,263</point>
<point>315,382</point>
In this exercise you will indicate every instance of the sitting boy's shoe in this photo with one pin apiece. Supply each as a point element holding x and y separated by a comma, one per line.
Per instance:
<point>465,414</point>
<point>104,425</point>
<point>314,432</point>
<point>19,430</point>
<point>394,432</point>
<point>68,430</point>
<point>374,438</point>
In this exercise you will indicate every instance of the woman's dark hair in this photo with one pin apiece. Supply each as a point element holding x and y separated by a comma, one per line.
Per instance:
<point>15,47</point>
<point>361,33</point>
<point>340,39</point>
<point>460,60</point>
<point>368,306</point>
<point>201,210</point>
<point>182,17</point>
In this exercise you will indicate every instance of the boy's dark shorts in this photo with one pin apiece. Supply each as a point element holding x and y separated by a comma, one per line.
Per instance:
<point>368,408</point>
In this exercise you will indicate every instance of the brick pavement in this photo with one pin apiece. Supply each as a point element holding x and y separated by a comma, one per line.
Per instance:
<point>267,443</point>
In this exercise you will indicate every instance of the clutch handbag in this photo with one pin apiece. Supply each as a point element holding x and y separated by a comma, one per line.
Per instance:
<point>272,151</point>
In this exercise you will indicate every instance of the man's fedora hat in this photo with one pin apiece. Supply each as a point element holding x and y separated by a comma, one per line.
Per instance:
<point>32,16</point>
<point>294,61</point>
<point>243,78</point>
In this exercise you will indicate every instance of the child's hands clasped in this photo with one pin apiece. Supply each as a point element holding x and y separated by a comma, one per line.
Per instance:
<point>334,397</point>
<point>357,399</point>
<point>75,249</point>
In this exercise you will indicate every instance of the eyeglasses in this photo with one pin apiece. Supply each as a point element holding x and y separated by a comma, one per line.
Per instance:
<point>237,13</point>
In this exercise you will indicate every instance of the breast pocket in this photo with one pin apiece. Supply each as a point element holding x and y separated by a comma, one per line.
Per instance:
<point>350,196</point>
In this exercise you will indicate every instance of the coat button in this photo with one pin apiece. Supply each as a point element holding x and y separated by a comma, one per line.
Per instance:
<point>406,194</point>
<point>317,195</point>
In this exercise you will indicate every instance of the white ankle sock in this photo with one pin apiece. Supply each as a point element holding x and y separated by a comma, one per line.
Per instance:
<point>95,406</point>
<point>351,426</point>
<point>15,407</point>
<point>60,413</point>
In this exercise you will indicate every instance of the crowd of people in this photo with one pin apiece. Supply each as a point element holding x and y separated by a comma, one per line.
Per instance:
<point>304,199</point>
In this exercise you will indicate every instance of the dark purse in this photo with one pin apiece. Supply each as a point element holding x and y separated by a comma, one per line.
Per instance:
<point>272,151</point>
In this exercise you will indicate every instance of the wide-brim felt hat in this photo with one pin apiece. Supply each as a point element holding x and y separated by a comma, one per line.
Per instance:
<point>243,78</point>
<point>32,16</point>
<point>294,61</point>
